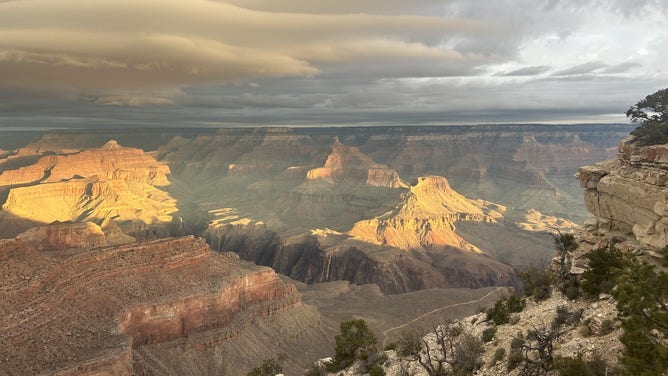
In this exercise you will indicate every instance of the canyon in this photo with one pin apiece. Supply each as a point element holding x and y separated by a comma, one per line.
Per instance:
<point>98,252</point>
<point>316,204</point>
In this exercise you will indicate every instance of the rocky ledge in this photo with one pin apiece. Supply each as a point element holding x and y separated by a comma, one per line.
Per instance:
<point>630,195</point>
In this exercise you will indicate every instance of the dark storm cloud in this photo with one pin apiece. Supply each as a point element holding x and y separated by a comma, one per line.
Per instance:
<point>310,62</point>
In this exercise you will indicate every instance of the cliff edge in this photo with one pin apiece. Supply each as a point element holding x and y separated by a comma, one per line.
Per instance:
<point>629,195</point>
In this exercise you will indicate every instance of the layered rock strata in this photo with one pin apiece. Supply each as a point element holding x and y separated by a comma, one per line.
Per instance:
<point>62,236</point>
<point>412,247</point>
<point>107,183</point>
<point>426,218</point>
<point>630,194</point>
<point>93,311</point>
<point>347,162</point>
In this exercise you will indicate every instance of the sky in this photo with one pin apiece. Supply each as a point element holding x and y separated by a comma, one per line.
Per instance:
<point>72,63</point>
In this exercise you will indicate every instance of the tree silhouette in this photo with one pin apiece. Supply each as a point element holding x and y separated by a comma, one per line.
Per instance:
<point>652,114</point>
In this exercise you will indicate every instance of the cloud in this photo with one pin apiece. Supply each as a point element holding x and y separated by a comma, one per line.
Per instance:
<point>580,69</point>
<point>527,71</point>
<point>139,44</point>
<point>340,61</point>
<point>133,100</point>
<point>342,6</point>
<point>621,67</point>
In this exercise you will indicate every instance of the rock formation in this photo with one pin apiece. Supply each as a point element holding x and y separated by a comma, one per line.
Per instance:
<point>160,307</point>
<point>62,236</point>
<point>630,195</point>
<point>110,182</point>
<point>347,162</point>
<point>381,250</point>
<point>426,218</point>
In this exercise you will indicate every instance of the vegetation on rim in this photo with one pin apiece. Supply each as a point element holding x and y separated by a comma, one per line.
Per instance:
<point>652,114</point>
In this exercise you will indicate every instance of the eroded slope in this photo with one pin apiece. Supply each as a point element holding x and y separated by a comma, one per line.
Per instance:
<point>97,311</point>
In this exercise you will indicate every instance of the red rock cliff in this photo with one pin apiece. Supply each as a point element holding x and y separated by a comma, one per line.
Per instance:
<point>88,313</point>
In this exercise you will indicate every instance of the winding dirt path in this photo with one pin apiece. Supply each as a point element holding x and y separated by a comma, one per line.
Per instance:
<point>386,332</point>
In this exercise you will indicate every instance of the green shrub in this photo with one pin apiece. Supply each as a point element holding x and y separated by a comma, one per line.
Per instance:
<point>488,334</point>
<point>515,358</point>
<point>391,346</point>
<point>269,367</point>
<point>565,317</point>
<point>572,366</point>
<point>537,283</point>
<point>409,343</point>
<point>570,287</point>
<point>641,295</point>
<point>599,367</point>
<point>356,341</point>
<point>499,354</point>
<point>603,264</point>
<point>607,327</point>
<point>377,370</point>
<point>517,341</point>
<point>467,354</point>
<point>515,304</point>
<point>596,366</point>
<point>500,313</point>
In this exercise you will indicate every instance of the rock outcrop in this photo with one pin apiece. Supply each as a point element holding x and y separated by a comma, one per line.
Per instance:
<point>630,194</point>
<point>107,183</point>
<point>426,218</point>
<point>62,236</point>
<point>347,162</point>
<point>145,308</point>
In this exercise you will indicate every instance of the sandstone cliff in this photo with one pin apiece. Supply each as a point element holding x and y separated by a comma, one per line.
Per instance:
<point>163,307</point>
<point>630,195</point>
<point>107,183</point>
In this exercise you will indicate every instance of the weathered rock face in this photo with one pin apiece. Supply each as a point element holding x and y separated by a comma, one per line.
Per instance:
<point>347,162</point>
<point>110,182</point>
<point>426,218</point>
<point>97,311</point>
<point>61,236</point>
<point>316,259</point>
<point>630,194</point>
